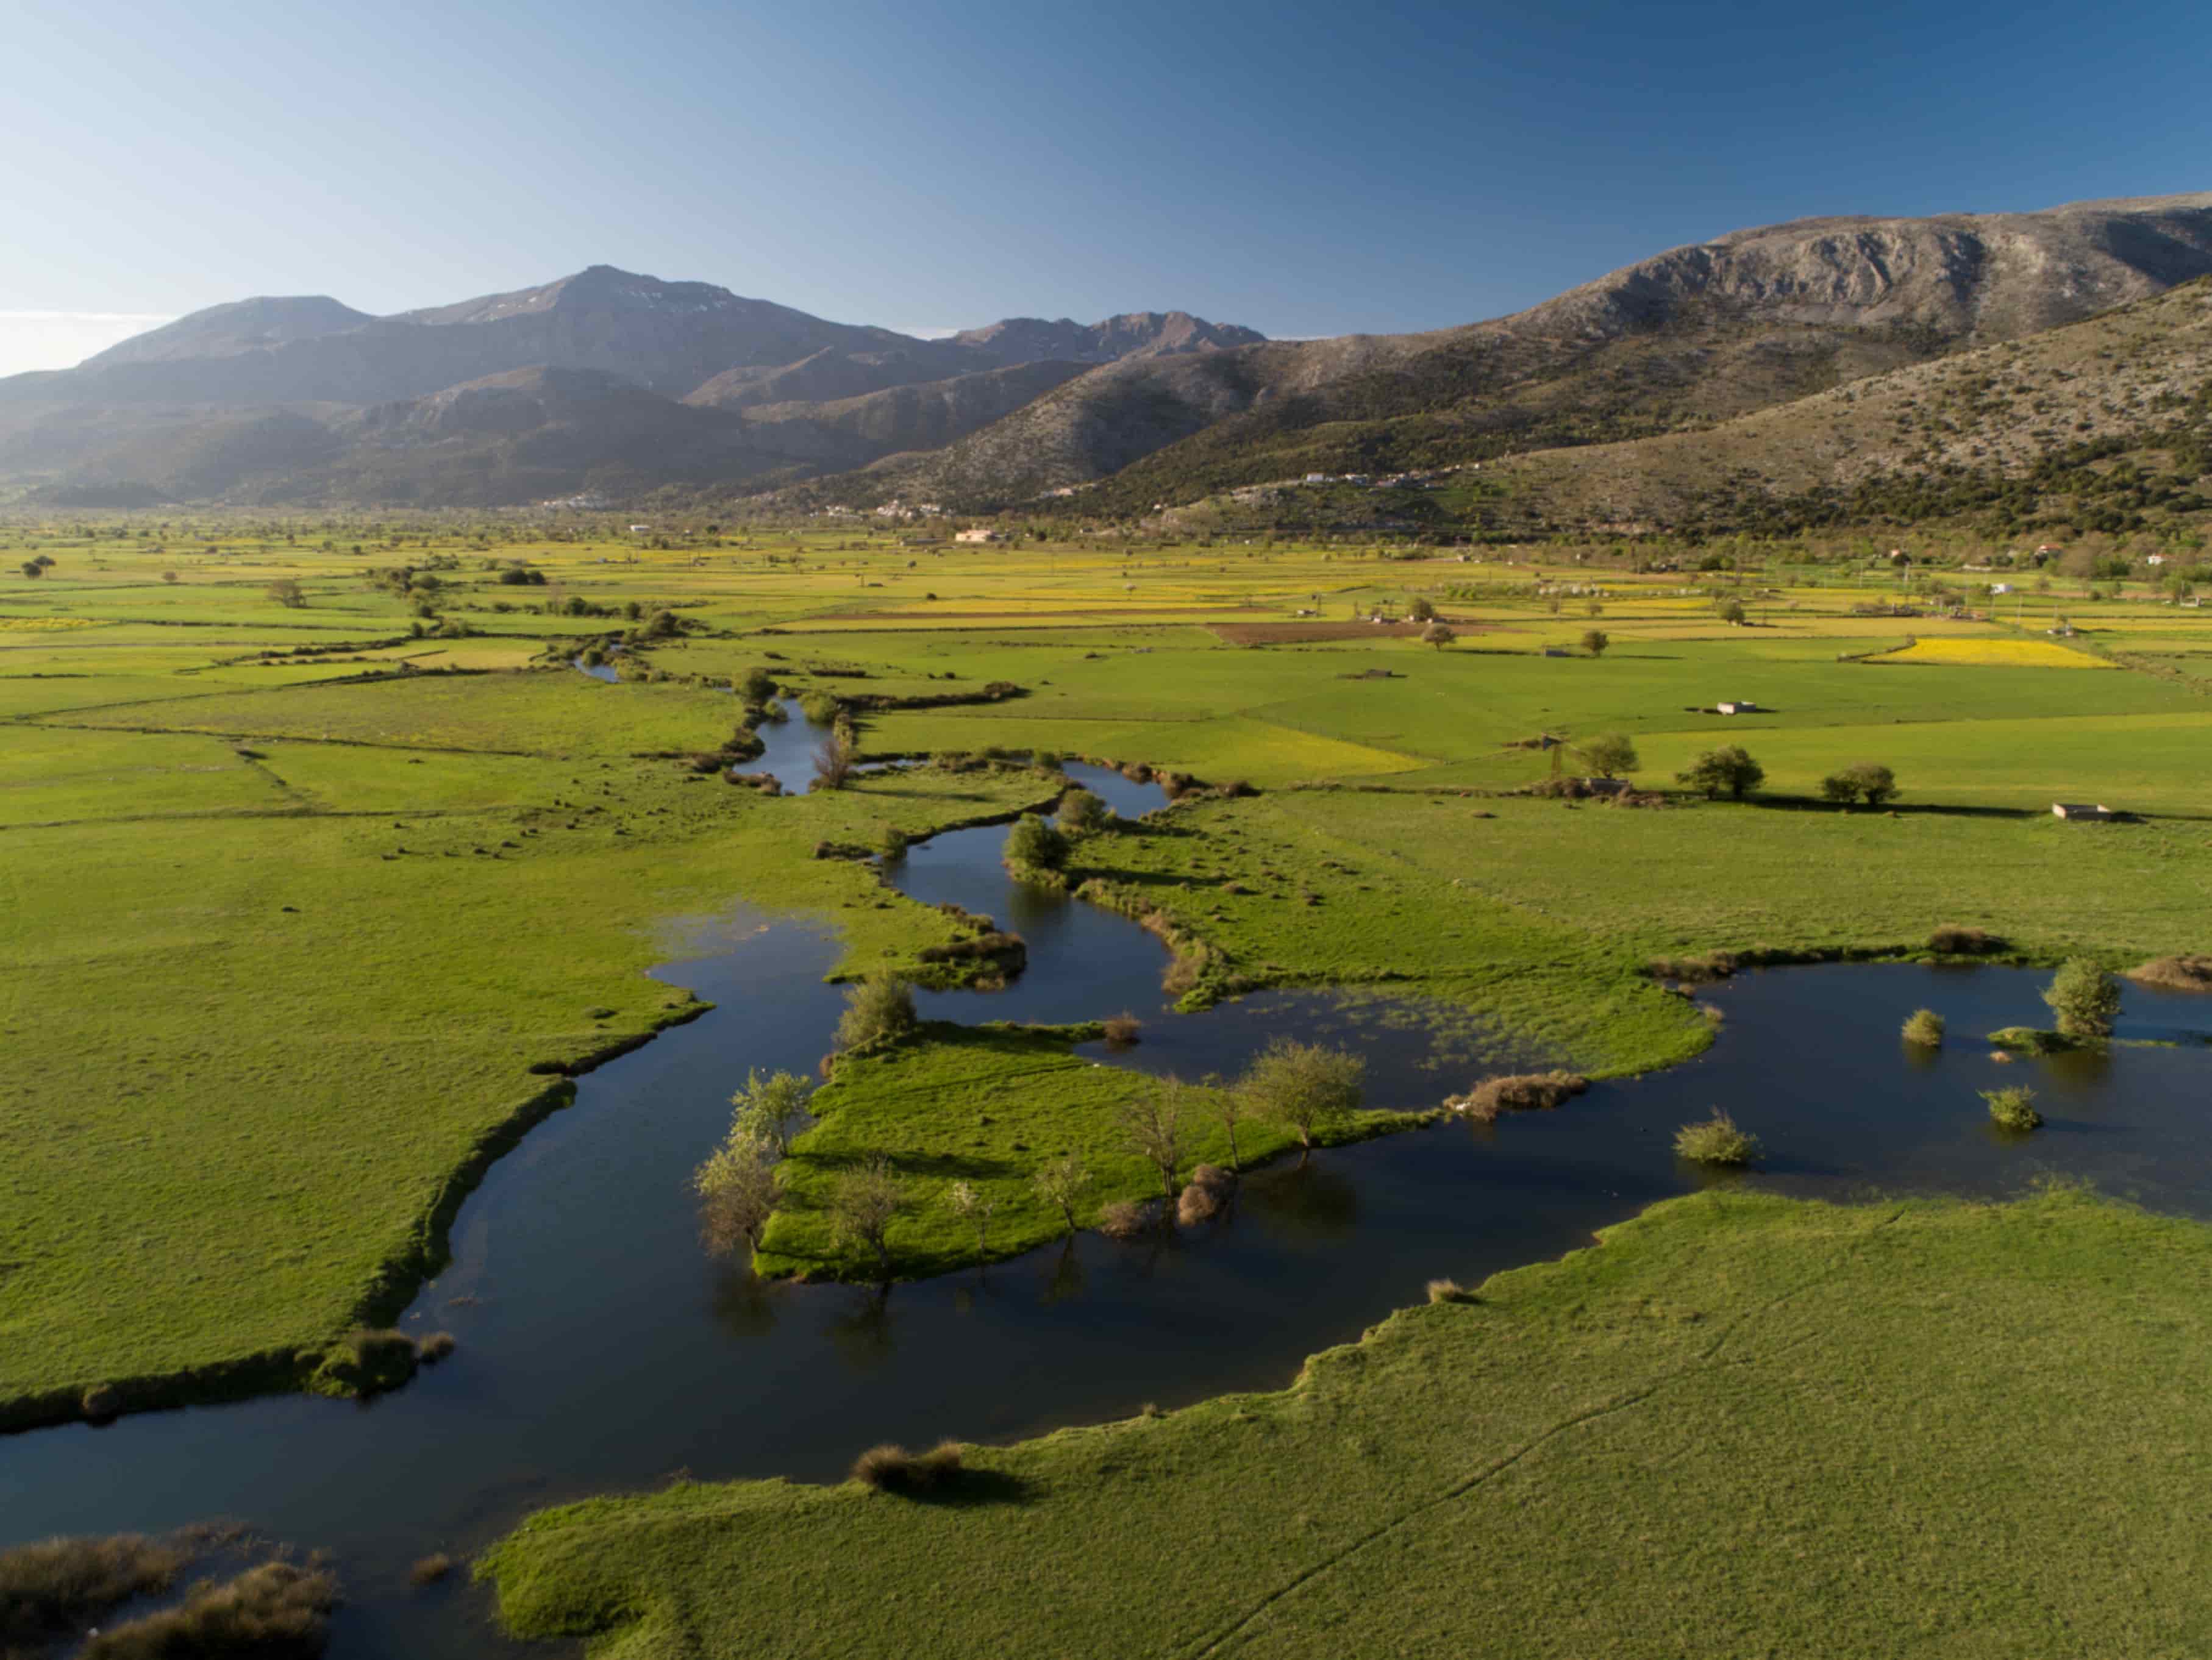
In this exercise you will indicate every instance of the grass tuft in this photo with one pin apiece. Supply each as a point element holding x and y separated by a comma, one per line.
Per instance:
<point>1926,1028</point>
<point>890,1468</point>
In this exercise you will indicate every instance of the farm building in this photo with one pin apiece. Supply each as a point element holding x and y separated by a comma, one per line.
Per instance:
<point>2081,810</point>
<point>977,535</point>
<point>1741,706</point>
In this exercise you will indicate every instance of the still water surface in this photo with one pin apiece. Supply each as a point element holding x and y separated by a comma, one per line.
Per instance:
<point>600,1350</point>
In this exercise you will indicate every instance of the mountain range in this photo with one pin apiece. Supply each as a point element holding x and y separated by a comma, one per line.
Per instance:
<point>626,385</point>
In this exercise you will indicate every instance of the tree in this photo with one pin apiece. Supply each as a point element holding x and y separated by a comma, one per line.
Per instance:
<point>2085,998</point>
<point>1421,610</point>
<point>1081,811</point>
<point>1234,1106</point>
<point>1871,778</point>
<point>771,1107</point>
<point>1153,1121</point>
<point>1733,612</point>
<point>1061,1183</point>
<point>757,686</point>
<point>1595,640</point>
<point>1438,635</point>
<point>1729,767</point>
<point>1611,754</point>
<point>863,1204</point>
<point>33,567</point>
<point>962,1199</point>
<point>1307,1089</point>
<point>1033,842</point>
<point>736,1190</point>
<point>877,1010</point>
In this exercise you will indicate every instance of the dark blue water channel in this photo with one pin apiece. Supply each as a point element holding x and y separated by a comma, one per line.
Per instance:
<point>601,1351</point>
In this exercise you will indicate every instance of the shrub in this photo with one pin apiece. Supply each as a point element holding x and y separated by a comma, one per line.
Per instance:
<point>1081,811</point>
<point>1926,1028</point>
<point>430,1569</point>
<point>1122,1029</point>
<point>892,843</point>
<point>818,706</point>
<point>1595,640</point>
<point>757,686</point>
<point>2175,973</point>
<point>1307,1089</point>
<point>1126,1219</point>
<point>51,1589</point>
<point>2084,998</point>
<point>1522,1093</point>
<point>1729,769</point>
<point>877,1010</point>
<point>2013,1107</point>
<point>890,1468</point>
<point>1957,940</point>
<point>1451,1291</point>
<point>436,1347</point>
<point>1715,1141</point>
<point>1204,1197</point>
<point>366,1362</point>
<point>1033,844</point>
<point>275,1609</point>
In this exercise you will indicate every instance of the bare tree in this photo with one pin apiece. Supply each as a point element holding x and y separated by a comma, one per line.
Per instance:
<point>962,1199</point>
<point>1060,1183</point>
<point>862,1207</point>
<point>833,762</point>
<point>1234,1106</point>
<point>736,1190</point>
<point>1153,1122</point>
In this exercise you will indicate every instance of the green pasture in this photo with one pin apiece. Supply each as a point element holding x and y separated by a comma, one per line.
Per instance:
<point>1740,1426</point>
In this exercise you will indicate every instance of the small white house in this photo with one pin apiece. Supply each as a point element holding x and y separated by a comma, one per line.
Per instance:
<point>2000,587</point>
<point>1741,706</point>
<point>2092,811</point>
<point>2155,559</point>
<point>979,534</point>
<point>639,530</point>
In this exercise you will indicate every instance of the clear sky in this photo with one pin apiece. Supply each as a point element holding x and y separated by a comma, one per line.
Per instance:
<point>1304,169</point>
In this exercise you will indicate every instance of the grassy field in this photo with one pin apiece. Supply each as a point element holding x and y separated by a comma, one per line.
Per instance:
<point>308,865</point>
<point>1742,1425</point>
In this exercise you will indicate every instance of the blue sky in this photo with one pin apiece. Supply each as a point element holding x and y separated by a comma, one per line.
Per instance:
<point>1303,170</point>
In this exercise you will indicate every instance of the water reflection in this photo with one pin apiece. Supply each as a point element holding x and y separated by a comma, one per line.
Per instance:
<point>599,1348</point>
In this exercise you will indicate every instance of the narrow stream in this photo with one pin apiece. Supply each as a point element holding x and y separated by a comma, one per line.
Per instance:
<point>600,1350</point>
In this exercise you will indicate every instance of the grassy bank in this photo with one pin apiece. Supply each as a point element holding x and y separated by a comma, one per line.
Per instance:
<point>259,1056</point>
<point>1740,1425</point>
<point>989,1107</point>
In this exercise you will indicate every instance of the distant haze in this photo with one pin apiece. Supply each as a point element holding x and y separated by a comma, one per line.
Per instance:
<point>59,339</point>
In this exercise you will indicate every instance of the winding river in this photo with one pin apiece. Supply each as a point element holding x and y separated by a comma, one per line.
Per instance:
<point>599,1350</point>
